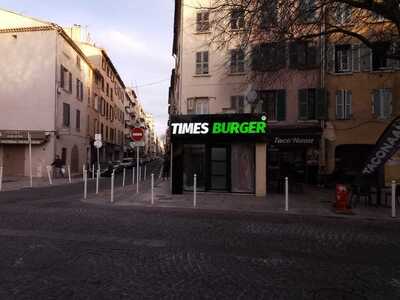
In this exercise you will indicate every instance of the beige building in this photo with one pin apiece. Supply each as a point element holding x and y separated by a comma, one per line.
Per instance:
<point>46,82</point>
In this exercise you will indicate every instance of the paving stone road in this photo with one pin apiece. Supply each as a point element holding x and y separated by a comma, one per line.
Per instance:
<point>53,246</point>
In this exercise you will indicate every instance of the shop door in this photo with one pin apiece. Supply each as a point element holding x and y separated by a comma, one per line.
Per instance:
<point>219,169</point>
<point>14,160</point>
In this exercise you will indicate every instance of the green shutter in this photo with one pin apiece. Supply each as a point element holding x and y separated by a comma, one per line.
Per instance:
<point>303,105</point>
<point>281,105</point>
<point>321,105</point>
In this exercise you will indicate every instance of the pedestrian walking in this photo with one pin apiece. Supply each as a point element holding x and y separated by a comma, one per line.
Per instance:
<point>58,165</point>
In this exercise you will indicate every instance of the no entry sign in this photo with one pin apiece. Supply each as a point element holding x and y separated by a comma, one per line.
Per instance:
<point>137,134</point>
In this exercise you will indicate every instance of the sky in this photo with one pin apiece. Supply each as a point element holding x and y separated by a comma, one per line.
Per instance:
<point>137,35</point>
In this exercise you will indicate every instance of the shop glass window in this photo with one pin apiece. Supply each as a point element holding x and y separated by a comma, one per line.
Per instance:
<point>343,104</point>
<point>237,19</point>
<point>219,178</point>
<point>202,63</point>
<point>343,58</point>
<point>194,163</point>
<point>382,103</point>
<point>237,61</point>
<point>203,21</point>
<point>242,168</point>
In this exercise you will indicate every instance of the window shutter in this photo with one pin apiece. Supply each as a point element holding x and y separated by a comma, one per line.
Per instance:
<point>365,58</point>
<point>339,105</point>
<point>387,103</point>
<point>330,58</point>
<point>303,105</point>
<point>348,104</point>
<point>321,107</point>
<point>62,79</point>
<point>293,55</point>
<point>70,83</point>
<point>233,102</point>
<point>281,105</point>
<point>356,57</point>
<point>376,103</point>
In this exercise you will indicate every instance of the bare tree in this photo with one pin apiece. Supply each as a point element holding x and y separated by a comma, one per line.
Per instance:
<point>374,23</point>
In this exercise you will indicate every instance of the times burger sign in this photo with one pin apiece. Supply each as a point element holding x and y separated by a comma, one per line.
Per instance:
<point>221,127</point>
<point>387,145</point>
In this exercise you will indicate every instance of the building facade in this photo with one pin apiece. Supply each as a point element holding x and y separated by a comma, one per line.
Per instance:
<point>45,80</point>
<point>209,81</point>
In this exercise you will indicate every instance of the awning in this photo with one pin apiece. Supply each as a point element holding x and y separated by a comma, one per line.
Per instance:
<point>21,137</point>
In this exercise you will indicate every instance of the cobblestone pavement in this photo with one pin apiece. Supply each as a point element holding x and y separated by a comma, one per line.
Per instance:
<point>54,246</point>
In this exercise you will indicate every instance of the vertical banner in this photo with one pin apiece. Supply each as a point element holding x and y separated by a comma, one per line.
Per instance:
<point>385,148</point>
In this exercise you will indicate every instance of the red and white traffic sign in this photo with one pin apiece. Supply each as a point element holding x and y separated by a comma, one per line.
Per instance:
<point>137,134</point>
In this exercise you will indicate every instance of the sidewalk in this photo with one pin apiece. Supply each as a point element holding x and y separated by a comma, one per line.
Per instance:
<point>317,202</point>
<point>17,183</point>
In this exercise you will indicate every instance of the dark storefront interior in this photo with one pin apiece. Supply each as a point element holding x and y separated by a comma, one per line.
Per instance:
<point>224,168</point>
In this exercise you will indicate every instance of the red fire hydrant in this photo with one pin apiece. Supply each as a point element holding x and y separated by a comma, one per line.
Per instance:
<point>342,197</point>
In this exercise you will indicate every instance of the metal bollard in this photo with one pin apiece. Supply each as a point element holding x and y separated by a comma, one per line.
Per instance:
<point>123,177</point>
<point>69,173</point>
<point>49,174</point>
<point>85,179</point>
<point>393,199</point>
<point>286,194</point>
<point>195,191</point>
<point>1,178</point>
<point>112,186</point>
<point>133,175</point>
<point>97,181</point>
<point>152,189</point>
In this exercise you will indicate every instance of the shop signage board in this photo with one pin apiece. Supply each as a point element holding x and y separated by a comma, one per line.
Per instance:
<point>220,128</point>
<point>385,148</point>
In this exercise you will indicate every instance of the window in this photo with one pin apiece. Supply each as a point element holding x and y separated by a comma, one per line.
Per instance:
<point>303,54</point>
<point>237,19</point>
<point>203,21</point>
<point>381,52</point>
<point>66,114</point>
<point>237,103</point>
<point>343,13</point>
<point>343,104</point>
<point>202,63</point>
<point>307,11</point>
<point>198,106</point>
<point>273,103</point>
<point>268,13</point>
<point>382,103</point>
<point>78,120</point>
<point>269,57</point>
<point>237,61</point>
<point>313,104</point>
<point>79,90</point>
<point>343,58</point>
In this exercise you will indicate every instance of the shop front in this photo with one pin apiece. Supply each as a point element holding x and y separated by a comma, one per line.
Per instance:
<point>293,153</point>
<point>221,150</point>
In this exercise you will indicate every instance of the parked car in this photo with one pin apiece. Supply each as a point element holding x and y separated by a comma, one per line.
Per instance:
<point>113,166</point>
<point>128,162</point>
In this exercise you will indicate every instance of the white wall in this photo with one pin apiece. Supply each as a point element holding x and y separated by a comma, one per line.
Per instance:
<point>27,70</point>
